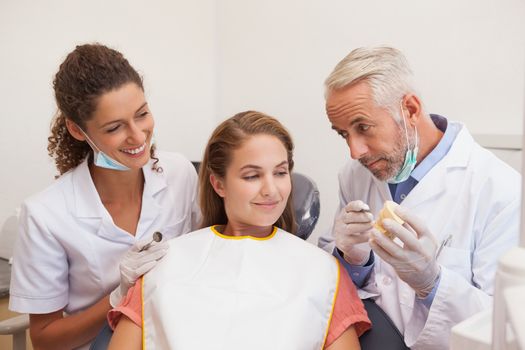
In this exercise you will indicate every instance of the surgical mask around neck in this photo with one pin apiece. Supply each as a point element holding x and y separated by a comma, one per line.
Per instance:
<point>101,159</point>
<point>410,157</point>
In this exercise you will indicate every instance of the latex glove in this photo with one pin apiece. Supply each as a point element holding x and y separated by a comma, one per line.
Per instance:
<point>415,262</point>
<point>135,264</point>
<point>352,230</point>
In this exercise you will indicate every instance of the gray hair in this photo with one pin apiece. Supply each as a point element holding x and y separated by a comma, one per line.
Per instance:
<point>385,69</point>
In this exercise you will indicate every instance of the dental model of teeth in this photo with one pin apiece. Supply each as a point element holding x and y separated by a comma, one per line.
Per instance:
<point>387,213</point>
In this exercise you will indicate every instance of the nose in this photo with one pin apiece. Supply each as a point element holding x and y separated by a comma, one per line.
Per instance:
<point>269,187</point>
<point>135,134</point>
<point>358,148</point>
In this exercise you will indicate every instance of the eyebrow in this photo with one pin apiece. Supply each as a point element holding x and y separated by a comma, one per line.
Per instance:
<point>352,123</point>
<point>256,167</point>
<point>119,120</point>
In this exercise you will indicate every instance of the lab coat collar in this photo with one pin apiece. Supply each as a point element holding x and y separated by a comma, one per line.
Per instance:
<point>154,181</point>
<point>461,150</point>
<point>87,201</point>
<point>434,183</point>
<point>89,205</point>
<point>154,184</point>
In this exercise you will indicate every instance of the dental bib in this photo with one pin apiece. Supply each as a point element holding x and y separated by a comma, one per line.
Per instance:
<point>213,291</point>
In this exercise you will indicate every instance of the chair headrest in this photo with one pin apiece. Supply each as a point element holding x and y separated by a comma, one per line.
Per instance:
<point>307,204</point>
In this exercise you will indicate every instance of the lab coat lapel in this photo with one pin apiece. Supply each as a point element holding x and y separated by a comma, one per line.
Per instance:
<point>442,181</point>
<point>383,190</point>
<point>90,210</point>
<point>429,188</point>
<point>155,184</point>
<point>86,199</point>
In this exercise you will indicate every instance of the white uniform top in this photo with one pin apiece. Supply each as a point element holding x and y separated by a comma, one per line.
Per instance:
<point>213,291</point>
<point>469,194</point>
<point>68,249</point>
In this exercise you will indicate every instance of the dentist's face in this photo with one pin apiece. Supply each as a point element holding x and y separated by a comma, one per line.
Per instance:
<point>122,126</point>
<point>256,186</point>
<point>373,136</point>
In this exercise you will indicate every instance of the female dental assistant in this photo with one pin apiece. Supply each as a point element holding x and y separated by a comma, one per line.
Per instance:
<point>80,241</point>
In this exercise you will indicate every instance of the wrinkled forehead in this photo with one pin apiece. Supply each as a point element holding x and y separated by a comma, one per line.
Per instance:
<point>349,101</point>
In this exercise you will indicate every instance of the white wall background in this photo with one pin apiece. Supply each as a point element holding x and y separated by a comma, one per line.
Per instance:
<point>205,60</point>
<point>172,43</point>
<point>468,57</point>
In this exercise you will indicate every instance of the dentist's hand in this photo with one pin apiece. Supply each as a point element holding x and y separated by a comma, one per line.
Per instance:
<point>415,262</point>
<point>136,263</point>
<point>352,230</point>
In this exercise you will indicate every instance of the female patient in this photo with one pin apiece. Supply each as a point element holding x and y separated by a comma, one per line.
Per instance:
<point>243,283</point>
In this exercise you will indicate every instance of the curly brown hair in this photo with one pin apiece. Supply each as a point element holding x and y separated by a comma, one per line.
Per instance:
<point>87,73</point>
<point>227,137</point>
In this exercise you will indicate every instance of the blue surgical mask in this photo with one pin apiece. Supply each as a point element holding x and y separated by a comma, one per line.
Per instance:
<point>101,159</point>
<point>410,158</point>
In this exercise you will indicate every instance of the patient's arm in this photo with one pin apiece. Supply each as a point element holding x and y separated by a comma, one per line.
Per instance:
<point>127,335</point>
<point>347,341</point>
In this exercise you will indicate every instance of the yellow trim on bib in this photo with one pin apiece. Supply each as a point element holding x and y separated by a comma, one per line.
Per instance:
<point>270,236</point>
<point>143,323</point>
<point>333,301</point>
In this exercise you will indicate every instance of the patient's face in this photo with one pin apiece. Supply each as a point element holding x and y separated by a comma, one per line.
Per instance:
<point>256,186</point>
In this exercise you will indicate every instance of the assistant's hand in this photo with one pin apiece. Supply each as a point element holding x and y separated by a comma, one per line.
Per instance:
<point>352,230</point>
<point>136,263</point>
<point>415,262</point>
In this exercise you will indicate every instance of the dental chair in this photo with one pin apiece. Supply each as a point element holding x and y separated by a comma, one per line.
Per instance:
<point>307,206</point>
<point>306,203</point>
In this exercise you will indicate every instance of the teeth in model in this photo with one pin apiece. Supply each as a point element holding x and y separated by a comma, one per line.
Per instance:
<point>136,150</point>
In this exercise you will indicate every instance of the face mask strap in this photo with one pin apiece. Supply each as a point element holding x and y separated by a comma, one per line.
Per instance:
<point>98,154</point>
<point>410,155</point>
<point>416,142</point>
<point>406,129</point>
<point>88,140</point>
<point>404,121</point>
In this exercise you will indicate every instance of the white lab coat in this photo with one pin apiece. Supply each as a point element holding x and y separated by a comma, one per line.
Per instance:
<point>68,249</point>
<point>470,194</point>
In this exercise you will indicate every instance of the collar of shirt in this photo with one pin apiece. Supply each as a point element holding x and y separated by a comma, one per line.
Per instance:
<point>401,190</point>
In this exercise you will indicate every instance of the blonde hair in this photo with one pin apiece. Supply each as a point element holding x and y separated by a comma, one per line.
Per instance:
<point>227,137</point>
